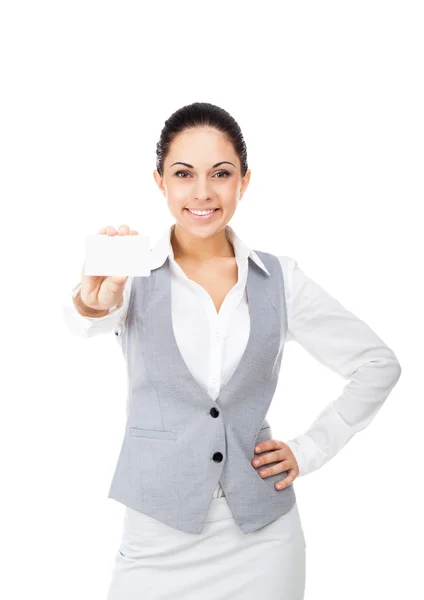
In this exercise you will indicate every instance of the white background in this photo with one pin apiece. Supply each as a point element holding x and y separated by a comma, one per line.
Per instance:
<point>329,96</point>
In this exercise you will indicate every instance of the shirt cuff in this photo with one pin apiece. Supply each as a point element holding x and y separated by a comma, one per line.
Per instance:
<point>307,453</point>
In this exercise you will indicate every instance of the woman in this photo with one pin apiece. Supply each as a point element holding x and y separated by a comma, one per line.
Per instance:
<point>203,339</point>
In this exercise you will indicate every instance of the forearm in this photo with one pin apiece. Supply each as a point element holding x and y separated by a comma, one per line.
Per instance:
<point>346,344</point>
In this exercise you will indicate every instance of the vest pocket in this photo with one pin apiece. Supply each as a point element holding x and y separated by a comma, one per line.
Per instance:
<point>153,433</point>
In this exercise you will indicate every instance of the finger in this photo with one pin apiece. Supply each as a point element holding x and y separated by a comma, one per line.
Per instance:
<point>269,457</point>
<point>280,485</point>
<point>133,232</point>
<point>269,445</point>
<point>123,230</point>
<point>110,230</point>
<point>284,465</point>
<point>263,446</point>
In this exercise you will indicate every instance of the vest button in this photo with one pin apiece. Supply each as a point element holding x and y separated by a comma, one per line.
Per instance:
<point>217,457</point>
<point>214,412</point>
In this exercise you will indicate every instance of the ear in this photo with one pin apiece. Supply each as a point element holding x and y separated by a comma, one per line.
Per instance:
<point>159,181</point>
<point>244,183</point>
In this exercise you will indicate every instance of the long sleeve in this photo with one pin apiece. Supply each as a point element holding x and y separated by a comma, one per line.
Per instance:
<point>91,326</point>
<point>347,345</point>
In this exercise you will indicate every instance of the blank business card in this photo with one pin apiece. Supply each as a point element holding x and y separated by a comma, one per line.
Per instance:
<point>122,255</point>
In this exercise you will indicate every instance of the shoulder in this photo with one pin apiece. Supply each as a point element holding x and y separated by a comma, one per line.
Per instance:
<point>288,263</point>
<point>288,266</point>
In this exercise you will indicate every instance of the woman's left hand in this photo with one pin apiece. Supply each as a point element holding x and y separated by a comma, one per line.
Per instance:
<point>279,452</point>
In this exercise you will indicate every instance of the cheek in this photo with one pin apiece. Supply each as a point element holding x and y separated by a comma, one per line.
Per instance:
<point>229,195</point>
<point>177,197</point>
<point>231,188</point>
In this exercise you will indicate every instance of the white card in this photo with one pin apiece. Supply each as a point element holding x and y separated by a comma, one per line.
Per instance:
<point>121,255</point>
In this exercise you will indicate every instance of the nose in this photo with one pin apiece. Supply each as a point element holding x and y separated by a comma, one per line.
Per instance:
<point>202,190</point>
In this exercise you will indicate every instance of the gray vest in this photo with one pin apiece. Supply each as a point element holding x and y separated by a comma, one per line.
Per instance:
<point>178,442</point>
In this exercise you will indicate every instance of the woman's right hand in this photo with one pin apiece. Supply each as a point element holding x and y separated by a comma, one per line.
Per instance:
<point>103,292</point>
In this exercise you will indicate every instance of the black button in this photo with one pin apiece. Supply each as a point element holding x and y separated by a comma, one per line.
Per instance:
<point>217,457</point>
<point>116,333</point>
<point>214,412</point>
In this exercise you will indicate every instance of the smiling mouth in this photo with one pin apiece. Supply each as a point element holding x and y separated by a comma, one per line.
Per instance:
<point>202,217</point>
<point>201,209</point>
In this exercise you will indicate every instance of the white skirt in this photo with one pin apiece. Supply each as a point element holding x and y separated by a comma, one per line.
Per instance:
<point>158,562</point>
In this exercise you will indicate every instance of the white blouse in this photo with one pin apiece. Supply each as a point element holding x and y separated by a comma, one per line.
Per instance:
<point>212,344</point>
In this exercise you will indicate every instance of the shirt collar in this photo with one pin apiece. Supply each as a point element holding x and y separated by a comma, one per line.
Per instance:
<point>163,249</point>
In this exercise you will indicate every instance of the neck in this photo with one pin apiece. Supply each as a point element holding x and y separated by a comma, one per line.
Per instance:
<point>187,246</point>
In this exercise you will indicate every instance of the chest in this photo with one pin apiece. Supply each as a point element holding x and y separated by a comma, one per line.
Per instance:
<point>217,278</point>
<point>182,330</point>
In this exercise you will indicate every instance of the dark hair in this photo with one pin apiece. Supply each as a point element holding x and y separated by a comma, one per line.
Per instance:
<point>200,114</point>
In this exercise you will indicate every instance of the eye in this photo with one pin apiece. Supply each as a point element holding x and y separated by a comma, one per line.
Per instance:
<point>223,172</point>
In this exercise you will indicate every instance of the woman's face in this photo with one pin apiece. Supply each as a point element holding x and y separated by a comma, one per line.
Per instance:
<point>201,183</point>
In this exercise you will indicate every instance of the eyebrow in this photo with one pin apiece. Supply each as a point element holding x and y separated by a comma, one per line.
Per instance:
<point>213,166</point>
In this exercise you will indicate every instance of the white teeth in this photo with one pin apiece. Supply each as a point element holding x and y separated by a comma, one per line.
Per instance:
<point>201,212</point>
